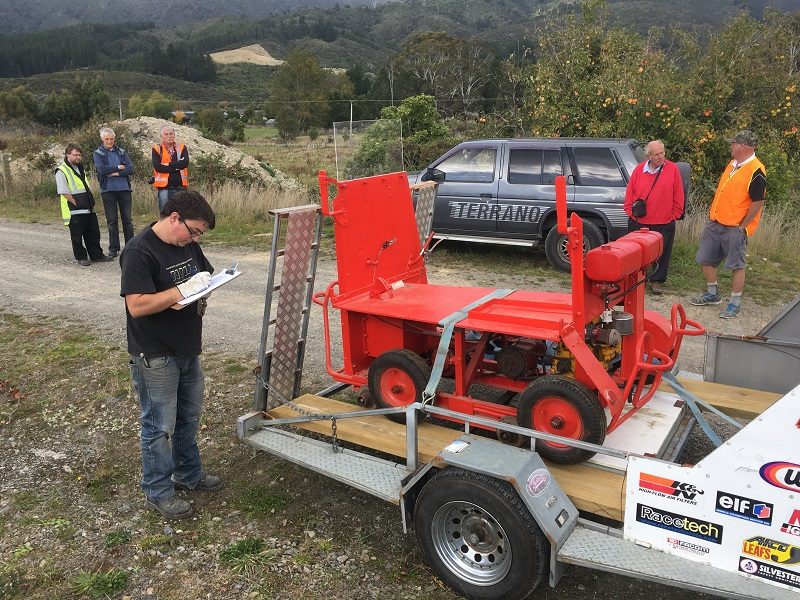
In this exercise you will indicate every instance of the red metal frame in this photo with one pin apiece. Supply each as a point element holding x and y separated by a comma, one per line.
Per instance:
<point>385,302</point>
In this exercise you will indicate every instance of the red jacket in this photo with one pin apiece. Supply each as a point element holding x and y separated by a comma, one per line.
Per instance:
<point>665,202</point>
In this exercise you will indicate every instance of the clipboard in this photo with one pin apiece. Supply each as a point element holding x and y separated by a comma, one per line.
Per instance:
<point>217,280</point>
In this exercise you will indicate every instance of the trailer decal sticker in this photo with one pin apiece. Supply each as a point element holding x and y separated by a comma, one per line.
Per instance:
<point>538,482</point>
<point>704,530</point>
<point>777,574</point>
<point>792,526</point>
<point>664,487</point>
<point>687,546</point>
<point>772,550</point>
<point>755,511</point>
<point>784,475</point>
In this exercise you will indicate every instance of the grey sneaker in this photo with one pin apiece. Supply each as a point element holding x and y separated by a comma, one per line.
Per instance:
<point>85,262</point>
<point>209,483</point>
<point>731,312</point>
<point>706,298</point>
<point>172,508</point>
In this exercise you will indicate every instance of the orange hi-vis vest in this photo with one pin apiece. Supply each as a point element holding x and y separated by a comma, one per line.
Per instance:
<point>732,199</point>
<point>162,179</point>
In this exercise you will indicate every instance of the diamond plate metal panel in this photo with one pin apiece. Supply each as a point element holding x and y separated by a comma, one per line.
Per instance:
<point>291,305</point>
<point>426,196</point>
<point>597,550</point>
<point>375,476</point>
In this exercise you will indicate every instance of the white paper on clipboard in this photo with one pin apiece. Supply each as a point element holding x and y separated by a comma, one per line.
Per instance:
<point>217,280</point>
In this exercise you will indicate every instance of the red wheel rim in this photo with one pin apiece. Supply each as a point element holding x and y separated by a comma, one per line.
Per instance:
<point>555,415</point>
<point>397,387</point>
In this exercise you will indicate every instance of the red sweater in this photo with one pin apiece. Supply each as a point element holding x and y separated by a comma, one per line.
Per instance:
<point>665,202</point>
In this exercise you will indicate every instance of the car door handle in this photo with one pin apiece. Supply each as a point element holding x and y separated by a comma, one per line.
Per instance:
<point>486,197</point>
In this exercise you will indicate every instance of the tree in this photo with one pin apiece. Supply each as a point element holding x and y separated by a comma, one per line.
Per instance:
<point>299,94</point>
<point>17,103</point>
<point>425,136</point>
<point>69,108</point>
<point>152,104</point>
<point>211,120</point>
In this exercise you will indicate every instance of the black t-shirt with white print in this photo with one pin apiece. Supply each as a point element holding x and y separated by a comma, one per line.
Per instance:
<point>150,265</point>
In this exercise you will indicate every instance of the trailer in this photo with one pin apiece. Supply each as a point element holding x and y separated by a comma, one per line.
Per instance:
<point>494,520</point>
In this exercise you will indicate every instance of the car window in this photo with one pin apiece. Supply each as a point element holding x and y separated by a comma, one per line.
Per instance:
<point>597,166</point>
<point>533,167</point>
<point>470,164</point>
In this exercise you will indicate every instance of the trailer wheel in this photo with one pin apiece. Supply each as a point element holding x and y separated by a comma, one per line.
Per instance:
<point>565,407</point>
<point>478,537</point>
<point>398,378</point>
<point>555,245</point>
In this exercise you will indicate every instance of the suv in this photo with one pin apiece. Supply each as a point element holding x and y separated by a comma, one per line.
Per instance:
<point>503,191</point>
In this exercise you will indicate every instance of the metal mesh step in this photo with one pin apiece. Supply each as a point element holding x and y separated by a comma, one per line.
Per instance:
<point>588,548</point>
<point>375,476</point>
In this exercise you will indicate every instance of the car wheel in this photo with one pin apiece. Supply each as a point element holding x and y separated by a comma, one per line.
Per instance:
<point>555,245</point>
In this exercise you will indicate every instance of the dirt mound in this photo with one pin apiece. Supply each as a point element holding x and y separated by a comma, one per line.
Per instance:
<point>255,54</point>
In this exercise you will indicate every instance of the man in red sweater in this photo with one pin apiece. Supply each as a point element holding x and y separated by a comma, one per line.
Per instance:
<point>658,185</point>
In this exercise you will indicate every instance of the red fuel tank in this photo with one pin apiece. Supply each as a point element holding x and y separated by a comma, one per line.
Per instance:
<point>613,261</point>
<point>652,244</point>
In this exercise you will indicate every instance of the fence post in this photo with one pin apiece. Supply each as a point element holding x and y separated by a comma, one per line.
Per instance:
<point>5,172</point>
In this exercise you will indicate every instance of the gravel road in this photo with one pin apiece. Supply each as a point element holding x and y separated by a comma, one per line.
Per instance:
<point>41,277</point>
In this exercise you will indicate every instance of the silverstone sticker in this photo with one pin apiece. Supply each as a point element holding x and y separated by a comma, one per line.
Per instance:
<point>781,474</point>
<point>664,487</point>
<point>697,528</point>
<point>538,482</point>
<point>755,511</point>
<point>769,572</point>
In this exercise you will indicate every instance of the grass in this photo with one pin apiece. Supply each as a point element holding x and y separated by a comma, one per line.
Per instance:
<point>101,584</point>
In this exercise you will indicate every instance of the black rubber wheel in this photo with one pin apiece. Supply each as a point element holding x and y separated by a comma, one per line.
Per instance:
<point>397,378</point>
<point>478,537</point>
<point>555,245</point>
<point>565,407</point>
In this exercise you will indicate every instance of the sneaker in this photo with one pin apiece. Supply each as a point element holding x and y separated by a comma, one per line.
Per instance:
<point>103,258</point>
<point>706,298</point>
<point>85,262</point>
<point>172,508</point>
<point>209,483</point>
<point>731,312</point>
<point>657,288</point>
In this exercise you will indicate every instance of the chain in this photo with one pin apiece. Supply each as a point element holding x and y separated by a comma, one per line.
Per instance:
<point>282,401</point>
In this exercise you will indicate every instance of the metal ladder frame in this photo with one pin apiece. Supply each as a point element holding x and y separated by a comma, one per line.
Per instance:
<point>301,237</point>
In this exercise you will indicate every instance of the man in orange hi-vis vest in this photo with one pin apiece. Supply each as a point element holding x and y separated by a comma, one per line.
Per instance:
<point>170,166</point>
<point>734,215</point>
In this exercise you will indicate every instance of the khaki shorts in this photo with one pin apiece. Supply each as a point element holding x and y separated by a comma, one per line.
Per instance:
<point>722,241</point>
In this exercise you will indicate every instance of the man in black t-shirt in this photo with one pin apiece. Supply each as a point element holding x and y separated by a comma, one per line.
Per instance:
<point>162,265</point>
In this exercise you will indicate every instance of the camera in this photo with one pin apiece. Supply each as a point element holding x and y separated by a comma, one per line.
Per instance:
<point>639,208</point>
<point>151,180</point>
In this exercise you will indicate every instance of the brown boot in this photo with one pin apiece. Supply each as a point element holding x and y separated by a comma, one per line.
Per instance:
<point>657,288</point>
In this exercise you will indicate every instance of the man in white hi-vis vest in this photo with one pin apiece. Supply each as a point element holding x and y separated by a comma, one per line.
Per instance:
<point>77,208</point>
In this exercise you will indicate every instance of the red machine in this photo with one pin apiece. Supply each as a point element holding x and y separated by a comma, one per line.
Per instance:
<point>577,364</point>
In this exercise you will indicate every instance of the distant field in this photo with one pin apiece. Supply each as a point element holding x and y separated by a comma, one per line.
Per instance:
<point>259,133</point>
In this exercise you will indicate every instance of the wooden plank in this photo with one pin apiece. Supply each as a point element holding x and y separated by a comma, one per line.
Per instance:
<point>590,488</point>
<point>738,402</point>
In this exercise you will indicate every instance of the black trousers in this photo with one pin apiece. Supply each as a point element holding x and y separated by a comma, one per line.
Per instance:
<point>668,231</point>
<point>112,202</point>
<point>84,229</point>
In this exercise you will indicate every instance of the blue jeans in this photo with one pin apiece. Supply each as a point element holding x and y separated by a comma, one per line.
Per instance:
<point>165,194</point>
<point>170,394</point>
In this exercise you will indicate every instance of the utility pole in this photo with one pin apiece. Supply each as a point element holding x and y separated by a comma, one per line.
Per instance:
<point>119,100</point>
<point>351,119</point>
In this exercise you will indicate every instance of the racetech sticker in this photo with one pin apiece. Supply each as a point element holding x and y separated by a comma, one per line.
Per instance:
<point>691,526</point>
